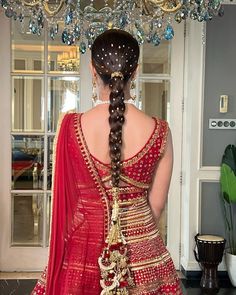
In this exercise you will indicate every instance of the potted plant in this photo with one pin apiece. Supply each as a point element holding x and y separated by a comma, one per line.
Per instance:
<point>228,196</point>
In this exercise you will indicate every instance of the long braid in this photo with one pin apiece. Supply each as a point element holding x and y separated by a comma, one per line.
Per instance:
<point>115,56</point>
<point>116,121</point>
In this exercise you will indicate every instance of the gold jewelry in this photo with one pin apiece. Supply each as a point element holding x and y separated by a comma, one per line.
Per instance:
<point>133,89</point>
<point>117,74</point>
<point>94,93</point>
<point>113,262</point>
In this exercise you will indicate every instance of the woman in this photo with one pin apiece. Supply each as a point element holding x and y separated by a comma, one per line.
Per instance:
<point>112,172</point>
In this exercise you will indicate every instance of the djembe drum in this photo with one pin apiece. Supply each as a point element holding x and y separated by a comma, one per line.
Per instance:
<point>209,255</point>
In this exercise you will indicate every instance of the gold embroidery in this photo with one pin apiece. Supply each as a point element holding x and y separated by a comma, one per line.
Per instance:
<point>139,201</point>
<point>106,178</point>
<point>153,286</point>
<point>130,225</point>
<point>134,182</point>
<point>101,166</point>
<point>140,154</point>
<point>164,139</point>
<point>128,180</point>
<point>139,212</point>
<point>145,237</point>
<point>127,190</point>
<point>136,214</point>
<point>150,262</point>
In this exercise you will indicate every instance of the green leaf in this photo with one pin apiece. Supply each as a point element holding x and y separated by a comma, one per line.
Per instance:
<point>229,157</point>
<point>228,183</point>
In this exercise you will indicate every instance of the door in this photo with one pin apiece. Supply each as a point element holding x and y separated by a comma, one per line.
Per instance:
<point>37,83</point>
<point>160,93</point>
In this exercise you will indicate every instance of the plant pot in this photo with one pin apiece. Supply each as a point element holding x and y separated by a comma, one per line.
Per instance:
<point>231,267</point>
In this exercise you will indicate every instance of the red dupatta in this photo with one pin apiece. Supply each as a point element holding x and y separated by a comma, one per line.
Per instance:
<point>73,171</point>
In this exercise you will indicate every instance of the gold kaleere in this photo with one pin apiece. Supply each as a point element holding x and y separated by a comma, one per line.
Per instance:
<point>113,262</point>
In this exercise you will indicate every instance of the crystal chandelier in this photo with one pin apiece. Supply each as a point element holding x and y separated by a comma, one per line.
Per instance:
<point>81,21</point>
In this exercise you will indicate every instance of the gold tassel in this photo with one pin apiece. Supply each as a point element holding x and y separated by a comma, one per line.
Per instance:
<point>113,261</point>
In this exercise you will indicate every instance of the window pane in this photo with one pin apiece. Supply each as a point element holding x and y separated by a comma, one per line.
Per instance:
<point>27,104</point>
<point>63,96</point>
<point>27,162</point>
<point>156,60</point>
<point>27,48</point>
<point>27,224</point>
<point>61,57</point>
<point>20,64</point>
<point>154,98</point>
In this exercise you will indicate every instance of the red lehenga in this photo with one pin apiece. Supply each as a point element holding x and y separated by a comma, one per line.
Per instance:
<point>81,214</point>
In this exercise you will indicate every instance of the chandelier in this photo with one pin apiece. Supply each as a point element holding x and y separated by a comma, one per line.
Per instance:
<point>80,22</point>
<point>68,61</point>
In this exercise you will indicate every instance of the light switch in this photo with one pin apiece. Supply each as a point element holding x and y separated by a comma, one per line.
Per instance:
<point>224,103</point>
<point>222,124</point>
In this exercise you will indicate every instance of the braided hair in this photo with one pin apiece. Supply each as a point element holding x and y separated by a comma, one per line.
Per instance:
<point>115,51</point>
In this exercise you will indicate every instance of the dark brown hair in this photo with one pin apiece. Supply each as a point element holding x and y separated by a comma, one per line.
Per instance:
<point>115,51</point>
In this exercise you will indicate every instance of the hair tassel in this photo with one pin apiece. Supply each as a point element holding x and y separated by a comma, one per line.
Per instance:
<point>113,262</point>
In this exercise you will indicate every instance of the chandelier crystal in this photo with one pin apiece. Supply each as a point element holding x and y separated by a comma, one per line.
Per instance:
<point>82,21</point>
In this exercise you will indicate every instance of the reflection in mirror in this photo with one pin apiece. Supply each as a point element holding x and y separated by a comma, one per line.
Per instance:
<point>154,93</point>
<point>27,104</point>
<point>27,49</point>
<point>27,223</point>
<point>156,61</point>
<point>155,101</point>
<point>155,98</point>
<point>63,96</point>
<point>61,57</point>
<point>27,162</point>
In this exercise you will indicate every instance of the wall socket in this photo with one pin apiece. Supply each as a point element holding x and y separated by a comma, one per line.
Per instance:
<point>222,123</point>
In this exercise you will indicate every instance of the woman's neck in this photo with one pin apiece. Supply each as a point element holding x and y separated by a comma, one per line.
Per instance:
<point>104,94</point>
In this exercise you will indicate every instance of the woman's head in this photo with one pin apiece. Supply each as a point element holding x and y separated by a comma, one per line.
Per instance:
<point>115,51</point>
<point>115,55</point>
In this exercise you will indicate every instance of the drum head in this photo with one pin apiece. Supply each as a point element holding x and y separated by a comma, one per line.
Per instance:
<point>210,238</point>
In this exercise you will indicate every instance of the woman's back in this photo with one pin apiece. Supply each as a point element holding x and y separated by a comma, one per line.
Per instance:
<point>136,131</point>
<point>149,262</point>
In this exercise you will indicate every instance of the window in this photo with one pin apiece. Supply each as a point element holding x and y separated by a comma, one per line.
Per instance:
<point>45,81</point>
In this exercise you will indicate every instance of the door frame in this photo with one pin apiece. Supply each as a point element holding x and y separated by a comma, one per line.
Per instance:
<point>176,126</point>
